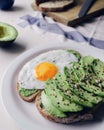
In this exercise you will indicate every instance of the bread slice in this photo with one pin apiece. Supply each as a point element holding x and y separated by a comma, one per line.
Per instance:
<point>30,98</point>
<point>55,6</point>
<point>72,117</point>
<point>40,1</point>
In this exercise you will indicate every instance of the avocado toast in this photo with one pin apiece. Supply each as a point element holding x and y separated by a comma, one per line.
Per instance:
<point>26,94</point>
<point>28,86</point>
<point>74,95</point>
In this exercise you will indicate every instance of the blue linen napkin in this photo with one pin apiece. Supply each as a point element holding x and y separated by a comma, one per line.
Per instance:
<point>92,32</point>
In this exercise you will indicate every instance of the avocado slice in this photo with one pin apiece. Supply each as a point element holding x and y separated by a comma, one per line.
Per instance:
<point>67,93</point>
<point>88,77</point>
<point>78,88</point>
<point>98,67</point>
<point>91,69</point>
<point>83,69</point>
<point>94,89</point>
<point>58,100</point>
<point>8,34</point>
<point>87,60</point>
<point>83,73</point>
<point>46,102</point>
<point>76,53</point>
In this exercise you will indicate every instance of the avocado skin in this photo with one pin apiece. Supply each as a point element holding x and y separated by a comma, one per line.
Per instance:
<point>6,4</point>
<point>6,43</point>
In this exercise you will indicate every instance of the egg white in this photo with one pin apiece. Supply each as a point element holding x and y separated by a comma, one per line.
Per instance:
<point>60,58</point>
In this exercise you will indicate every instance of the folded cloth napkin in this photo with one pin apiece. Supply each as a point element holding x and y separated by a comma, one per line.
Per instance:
<point>92,32</point>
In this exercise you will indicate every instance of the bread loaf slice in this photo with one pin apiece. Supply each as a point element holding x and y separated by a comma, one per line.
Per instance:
<point>56,5</point>
<point>40,1</point>
<point>30,98</point>
<point>72,117</point>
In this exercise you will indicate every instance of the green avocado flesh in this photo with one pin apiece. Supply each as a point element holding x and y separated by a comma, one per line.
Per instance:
<point>49,107</point>
<point>27,92</point>
<point>76,89</point>
<point>76,53</point>
<point>7,32</point>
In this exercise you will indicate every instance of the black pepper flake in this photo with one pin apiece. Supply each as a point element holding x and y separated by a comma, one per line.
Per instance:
<point>58,102</point>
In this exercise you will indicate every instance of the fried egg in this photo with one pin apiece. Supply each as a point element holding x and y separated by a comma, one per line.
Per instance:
<point>46,65</point>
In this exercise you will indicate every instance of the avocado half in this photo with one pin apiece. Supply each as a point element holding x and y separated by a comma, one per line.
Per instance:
<point>8,34</point>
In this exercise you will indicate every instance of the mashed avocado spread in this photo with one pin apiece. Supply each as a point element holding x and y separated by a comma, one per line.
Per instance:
<point>27,92</point>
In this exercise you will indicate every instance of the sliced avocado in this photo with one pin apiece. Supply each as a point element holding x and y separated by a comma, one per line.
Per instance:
<point>76,53</point>
<point>83,69</point>
<point>86,65</point>
<point>78,71</point>
<point>27,92</point>
<point>93,68</point>
<point>46,102</point>
<point>87,60</point>
<point>8,34</point>
<point>58,100</point>
<point>95,72</point>
<point>76,87</point>
<point>93,89</point>
<point>87,80</point>
<point>67,93</point>
<point>98,67</point>
<point>83,73</point>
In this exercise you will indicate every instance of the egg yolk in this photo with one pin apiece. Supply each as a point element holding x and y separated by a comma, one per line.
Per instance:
<point>45,70</point>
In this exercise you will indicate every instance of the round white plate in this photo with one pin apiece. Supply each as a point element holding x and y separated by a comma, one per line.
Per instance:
<point>25,114</point>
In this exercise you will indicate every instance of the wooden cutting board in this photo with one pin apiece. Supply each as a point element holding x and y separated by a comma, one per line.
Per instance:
<point>70,17</point>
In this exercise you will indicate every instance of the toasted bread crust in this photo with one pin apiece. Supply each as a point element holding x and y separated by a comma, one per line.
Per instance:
<point>55,9</point>
<point>40,1</point>
<point>72,118</point>
<point>29,98</point>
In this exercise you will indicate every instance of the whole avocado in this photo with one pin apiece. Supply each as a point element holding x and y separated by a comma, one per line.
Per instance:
<point>6,4</point>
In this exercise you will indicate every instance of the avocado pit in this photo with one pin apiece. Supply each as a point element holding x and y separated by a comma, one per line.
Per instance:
<point>1,31</point>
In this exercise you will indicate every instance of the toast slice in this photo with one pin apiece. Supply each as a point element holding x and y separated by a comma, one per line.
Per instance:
<point>85,115</point>
<point>30,98</point>
<point>55,6</point>
<point>40,1</point>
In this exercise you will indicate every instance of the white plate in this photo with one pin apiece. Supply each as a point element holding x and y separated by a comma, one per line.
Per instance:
<point>25,114</point>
